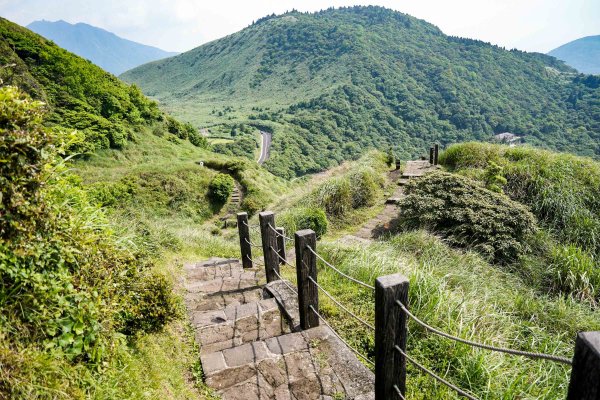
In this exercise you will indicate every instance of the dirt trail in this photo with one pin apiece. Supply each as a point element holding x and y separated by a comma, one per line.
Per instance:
<point>386,220</point>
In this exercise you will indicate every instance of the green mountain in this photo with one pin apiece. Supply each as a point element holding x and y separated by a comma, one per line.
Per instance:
<point>111,52</point>
<point>582,54</point>
<point>332,83</point>
<point>79,94</point>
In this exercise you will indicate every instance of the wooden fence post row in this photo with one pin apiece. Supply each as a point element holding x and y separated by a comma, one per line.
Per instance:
<point>390,331</point>
<point>585,373</point>
<point>244,232</point>
<point>306,266</point>
<point>269,242</point>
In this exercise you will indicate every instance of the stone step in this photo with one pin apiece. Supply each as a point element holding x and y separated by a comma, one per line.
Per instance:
<point>312,364</point>
<point>402,182</point>
<point>213,269</point>
<point>393,200</point>
<point>238,324</point>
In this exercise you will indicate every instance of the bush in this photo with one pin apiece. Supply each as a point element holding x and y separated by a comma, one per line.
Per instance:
<point>334,196</point>
<point>365,184</point>
<point>468,215</point>
<point>151,305</point>
<point>305,218</point>
<point>221,187</point>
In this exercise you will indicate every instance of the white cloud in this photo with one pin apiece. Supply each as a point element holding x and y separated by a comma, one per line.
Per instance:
<point>534,25</point>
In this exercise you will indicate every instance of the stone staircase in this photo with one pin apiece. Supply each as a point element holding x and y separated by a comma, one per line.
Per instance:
<point>250,343</point>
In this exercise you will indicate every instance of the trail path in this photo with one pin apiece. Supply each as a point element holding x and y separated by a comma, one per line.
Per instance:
<point>386,220</point>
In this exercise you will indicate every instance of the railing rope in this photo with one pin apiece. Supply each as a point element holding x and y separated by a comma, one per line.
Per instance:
<point>338,271</point>
<point>528,354</point>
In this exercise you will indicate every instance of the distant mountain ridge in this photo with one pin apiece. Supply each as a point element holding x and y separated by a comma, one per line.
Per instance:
<point>582,54</point>
<point>105,49</point>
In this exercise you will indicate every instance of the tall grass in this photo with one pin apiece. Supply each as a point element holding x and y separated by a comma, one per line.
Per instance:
<point>462,294</point>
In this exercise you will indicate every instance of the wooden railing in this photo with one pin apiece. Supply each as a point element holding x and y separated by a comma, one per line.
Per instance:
<point>391,314</point>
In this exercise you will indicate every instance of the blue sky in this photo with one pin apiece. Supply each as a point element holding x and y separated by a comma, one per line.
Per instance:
<point>179,25</point>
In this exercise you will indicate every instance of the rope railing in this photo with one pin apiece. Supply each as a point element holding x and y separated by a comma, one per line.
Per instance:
<point>254,261</point>
<point>340,272</point>
<point>286,283</point>
<point>398,392</point>
<point>252,244</point>
<point>435,376</point>
<point>358,353</point>
<point>340,305</point>
<point>283,260</point>
<point>528,354</point>
<point>280,234</point>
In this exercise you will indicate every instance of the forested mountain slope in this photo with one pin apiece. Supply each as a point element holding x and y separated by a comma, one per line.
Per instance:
<point>333,83</point>
<point>111,52</point>
<point>583,54</point>
<point>79,94</point>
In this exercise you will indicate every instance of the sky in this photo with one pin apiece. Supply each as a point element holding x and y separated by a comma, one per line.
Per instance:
<point>180,25</point>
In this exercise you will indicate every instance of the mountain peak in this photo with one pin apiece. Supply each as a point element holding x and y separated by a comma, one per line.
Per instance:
<point>103,48</point>
<point>582,54</point>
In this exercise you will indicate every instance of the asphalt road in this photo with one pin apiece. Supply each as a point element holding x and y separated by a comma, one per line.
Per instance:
<point>265,147</point>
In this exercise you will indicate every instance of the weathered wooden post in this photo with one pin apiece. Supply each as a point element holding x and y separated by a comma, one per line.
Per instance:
<point>281,244</point>
<point>431,153</point>
<point>585,374</point>
<point>436,151</point>
<point>306,266</point>
<point>244,232</point>
<point>390,331</point>
<point>269,244</point>
<point>398,164</point>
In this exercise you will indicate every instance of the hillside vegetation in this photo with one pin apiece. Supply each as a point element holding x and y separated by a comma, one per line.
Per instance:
<point>80,95</point>
<point>334,83</point>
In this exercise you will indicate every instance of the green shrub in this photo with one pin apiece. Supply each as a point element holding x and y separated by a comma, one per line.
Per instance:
<point>221,187</point>
<point>468,215</point>
<point>305,218</point>
<point>151,304</point>
<point>365,185</point>
<point>334,196</point>
<point>111,193</point>
<point>560,189</point>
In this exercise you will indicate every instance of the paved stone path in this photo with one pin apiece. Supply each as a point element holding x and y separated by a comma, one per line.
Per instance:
<point>386,220</point>
<point>250,344</point>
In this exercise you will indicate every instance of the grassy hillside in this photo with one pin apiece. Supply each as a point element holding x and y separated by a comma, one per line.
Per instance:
<point>348,79</point>
<point>80,95</point>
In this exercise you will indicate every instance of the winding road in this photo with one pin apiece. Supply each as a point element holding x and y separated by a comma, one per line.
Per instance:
<point>265,147</point>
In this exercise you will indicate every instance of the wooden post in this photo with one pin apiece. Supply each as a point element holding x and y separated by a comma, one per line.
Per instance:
<point>436,151</point>
<point>390,331</point>
<point>585,374</point>
<point>269,242</point>
<point>431,154</point>
<point>398,164</point>
<point>244,231</point>
<point>306,266</point>
<point>281,244</point>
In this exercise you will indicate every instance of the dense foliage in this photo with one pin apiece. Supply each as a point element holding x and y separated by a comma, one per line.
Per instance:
<point>79,94</point>
<point>305,218</point>
<point>468,215</point>
<point>337,82</point>
<point>220,187</point>
<point>68,287</point>
<point>562,190</point>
